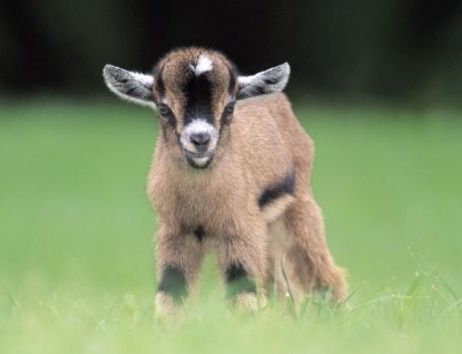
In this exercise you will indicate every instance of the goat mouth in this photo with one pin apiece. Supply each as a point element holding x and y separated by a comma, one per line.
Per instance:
<point>197,160</point>
<point>197,154</point>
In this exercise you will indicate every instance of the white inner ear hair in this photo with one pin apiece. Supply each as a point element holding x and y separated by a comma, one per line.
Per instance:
<point>131,86</point>
<point>203,65</point>
<point>268,81</point>
<point>147,80</point>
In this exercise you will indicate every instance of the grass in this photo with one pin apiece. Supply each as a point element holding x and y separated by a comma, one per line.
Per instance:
<point>76,231</point>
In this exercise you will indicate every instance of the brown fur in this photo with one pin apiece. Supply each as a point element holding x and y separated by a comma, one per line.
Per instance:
<point>282,240</point>
<point>267,141</point>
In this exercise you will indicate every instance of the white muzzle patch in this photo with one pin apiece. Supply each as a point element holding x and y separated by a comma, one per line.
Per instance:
<point>198,126</point>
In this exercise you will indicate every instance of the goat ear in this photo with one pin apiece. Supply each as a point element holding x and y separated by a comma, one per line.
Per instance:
<point>131,86</point>
<point>268,81</point>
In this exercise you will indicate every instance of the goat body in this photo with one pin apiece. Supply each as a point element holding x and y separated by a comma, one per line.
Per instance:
<point>238,186</point>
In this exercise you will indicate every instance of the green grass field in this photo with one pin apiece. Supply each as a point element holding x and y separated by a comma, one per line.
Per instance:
<point>76,237</point>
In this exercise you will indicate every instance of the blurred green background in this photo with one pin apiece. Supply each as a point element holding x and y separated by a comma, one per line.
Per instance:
<point>76,231</point>
<point>377,84</point>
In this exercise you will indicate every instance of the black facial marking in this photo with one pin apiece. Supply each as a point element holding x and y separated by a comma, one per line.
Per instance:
<point>228,113</point>
<point>163,109</point>
<point>284,186</point>
<point>168,122</point>
<point>173,282</point>
<point>238,281</point>
<point>200,233</point>
<point>198,93</point>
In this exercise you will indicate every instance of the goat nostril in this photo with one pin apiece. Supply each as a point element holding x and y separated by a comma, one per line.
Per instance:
<point>200,138</point>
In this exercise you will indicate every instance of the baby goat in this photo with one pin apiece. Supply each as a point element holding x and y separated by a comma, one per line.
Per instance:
<point>230,173</point>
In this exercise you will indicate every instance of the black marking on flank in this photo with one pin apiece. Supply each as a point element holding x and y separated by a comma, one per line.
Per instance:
<point>238,281</point>
<point>284,186</point>
<point>173,283</point>
<point>200,233</point>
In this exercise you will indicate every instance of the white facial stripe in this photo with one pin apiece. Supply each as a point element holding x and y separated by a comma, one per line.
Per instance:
<point>203,65</point>
<point>199,126</point>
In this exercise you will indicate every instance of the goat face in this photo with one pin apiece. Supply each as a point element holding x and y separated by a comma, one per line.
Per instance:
<point>194,91</point>
<point>195,94</point>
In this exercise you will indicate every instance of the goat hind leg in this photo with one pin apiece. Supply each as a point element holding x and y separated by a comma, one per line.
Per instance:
<point>311,263</point>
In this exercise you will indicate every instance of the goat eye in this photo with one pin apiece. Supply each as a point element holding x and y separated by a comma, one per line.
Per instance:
<point>164,110</point>
<point>229,108</point>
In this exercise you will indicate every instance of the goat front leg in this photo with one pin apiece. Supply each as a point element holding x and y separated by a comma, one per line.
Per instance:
<point>179,257</point>
<point>242,257</point>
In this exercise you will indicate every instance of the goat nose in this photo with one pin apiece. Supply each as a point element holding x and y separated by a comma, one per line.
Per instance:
<point>200,139</point>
